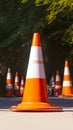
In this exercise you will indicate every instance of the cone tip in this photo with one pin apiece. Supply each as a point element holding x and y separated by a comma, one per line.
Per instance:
<point>22,77</point>
<point>17,74</point>
<point>57,72</point>
<point>8,69</point>
<point>36,39</point>
<point>66,63</point>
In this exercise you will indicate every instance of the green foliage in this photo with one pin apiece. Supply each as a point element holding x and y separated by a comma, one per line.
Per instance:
<point>24,1</point>
<point>68,36</point>
<point>19,19</point>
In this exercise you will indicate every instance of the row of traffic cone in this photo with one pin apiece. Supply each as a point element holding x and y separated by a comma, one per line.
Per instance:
<point>16,90</point>
<point>66,88</point>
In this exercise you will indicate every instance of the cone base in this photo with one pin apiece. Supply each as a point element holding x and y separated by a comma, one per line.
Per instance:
<point>37,106</point>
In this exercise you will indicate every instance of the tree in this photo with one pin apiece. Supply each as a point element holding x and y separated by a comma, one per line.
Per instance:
<point>53,19</point>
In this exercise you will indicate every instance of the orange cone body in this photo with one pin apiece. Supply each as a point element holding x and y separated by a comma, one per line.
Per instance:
<point>22,86</point>
<point>16,85</point>
<point>57,90</point>
<point>9,86</point>
<point>67,83</point>
<point>35,97</point>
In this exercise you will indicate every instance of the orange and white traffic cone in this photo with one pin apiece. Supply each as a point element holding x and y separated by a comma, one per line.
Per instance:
<point>35,97</point>
<point>9,86</point>
<point>67,83</point>
<point>57,89</point>
<point>22,86</point>
<point>16,84</point>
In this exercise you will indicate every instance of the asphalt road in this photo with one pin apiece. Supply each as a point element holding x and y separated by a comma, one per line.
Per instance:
<point>5,103</point>
<point>36,120</point>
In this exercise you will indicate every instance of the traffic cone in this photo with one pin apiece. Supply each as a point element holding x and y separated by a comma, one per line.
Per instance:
<point>57,89</point>
<point>35,97</point>
<point>22,86</point>
<point>52,86</point>
<point>9,86</point>
<point>67,83</point>
<point>16,84</point>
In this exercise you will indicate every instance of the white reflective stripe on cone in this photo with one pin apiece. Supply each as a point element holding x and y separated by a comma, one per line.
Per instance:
<point>57,78</point>
<point>16,88</point>
<point>35,66</point>
<point>57,86</point>
<point>67,83</point>
<point>9,76</point>
<point>22,82</point>
<point>21,88</point>
<point>16,79</point>
<point>36,53</point>
<point>9,86</point>
<point>34,71</point>
<point>66,71</point>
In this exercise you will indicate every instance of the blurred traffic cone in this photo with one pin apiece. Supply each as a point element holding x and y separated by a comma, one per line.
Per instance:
<point>9,86</point>
<point>67,83</point>
<point>52,86</point>
<point>57,89</point>
<point>35,97</point>
<point>16,84</point>
<point>22,86</point>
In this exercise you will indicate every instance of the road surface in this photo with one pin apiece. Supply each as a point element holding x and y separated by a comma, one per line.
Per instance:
<point>36,120</point>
